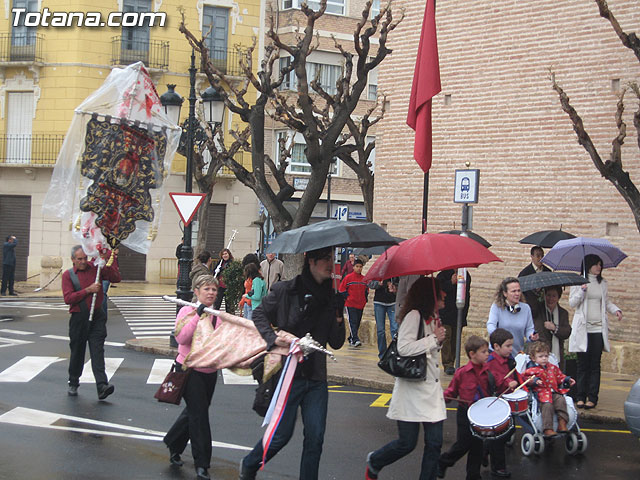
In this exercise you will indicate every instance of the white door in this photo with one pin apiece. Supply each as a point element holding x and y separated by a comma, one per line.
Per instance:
<point>19,123</point>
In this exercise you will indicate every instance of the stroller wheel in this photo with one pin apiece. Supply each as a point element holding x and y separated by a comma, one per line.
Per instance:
<point>526,444</point>
<point>571,443</point>
<point>582,442</point>
<point>538,444</point>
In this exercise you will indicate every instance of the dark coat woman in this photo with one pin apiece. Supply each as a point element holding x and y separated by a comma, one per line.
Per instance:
<point>552,323</point>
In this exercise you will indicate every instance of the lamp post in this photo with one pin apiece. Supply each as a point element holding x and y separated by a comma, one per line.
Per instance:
<point>214,110</point>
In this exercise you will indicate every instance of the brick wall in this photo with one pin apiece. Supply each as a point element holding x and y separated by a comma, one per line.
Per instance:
<point>505,119</point>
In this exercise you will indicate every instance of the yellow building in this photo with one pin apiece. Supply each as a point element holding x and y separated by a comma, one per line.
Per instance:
<point>53,54</point>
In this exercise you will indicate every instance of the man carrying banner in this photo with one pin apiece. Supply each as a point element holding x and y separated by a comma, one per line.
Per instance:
<point>305,304</point>
<point>78,287</point>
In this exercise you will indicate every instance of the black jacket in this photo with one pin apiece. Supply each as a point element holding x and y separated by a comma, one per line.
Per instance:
<point>531,297</point>
<point>291,307</point>
<point>449,314</point>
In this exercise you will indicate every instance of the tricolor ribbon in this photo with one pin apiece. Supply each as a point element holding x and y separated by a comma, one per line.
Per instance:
<point>280,396</point>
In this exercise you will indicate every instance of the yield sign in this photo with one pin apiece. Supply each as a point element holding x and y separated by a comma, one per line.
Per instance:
<point>187,204</point>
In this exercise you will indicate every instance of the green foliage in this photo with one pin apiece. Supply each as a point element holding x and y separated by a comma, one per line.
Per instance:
<point>234,279</point>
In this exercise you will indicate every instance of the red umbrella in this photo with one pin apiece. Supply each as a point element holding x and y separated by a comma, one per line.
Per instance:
<point>428,253</point>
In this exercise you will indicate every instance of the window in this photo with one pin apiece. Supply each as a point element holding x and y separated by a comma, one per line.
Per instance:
<point>327,75</point>
<point>375,8</point>
<point>373,85</point>
<point>298,162</point>
<point>216,19</point>
<point>135,39</point>
<point>333,6</point>
<point>21,35</point>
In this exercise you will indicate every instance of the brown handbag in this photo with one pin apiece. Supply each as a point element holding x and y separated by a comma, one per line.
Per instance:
<point>173,385</point>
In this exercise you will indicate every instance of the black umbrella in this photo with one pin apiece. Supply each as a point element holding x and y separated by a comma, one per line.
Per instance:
<point>331,233</point>
<point>471,235</point>
<point>378,250</point>
<point>546,238</point>
<point>550,279</point>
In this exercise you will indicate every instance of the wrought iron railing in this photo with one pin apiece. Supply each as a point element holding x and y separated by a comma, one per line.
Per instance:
<point>243,158</point>
<point>227,60</point>
<point>38,149</point>
<point>21,47</point>
<point>153,53</point>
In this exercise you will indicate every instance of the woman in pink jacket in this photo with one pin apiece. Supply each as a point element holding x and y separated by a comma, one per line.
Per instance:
<point>193,423</point>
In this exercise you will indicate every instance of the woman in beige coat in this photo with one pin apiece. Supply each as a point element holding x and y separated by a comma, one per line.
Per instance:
<point>416,402</point>
<point>590,329</point>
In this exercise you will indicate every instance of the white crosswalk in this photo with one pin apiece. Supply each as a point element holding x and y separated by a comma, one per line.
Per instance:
<point>29,367</point>
<point>147,317</point>
<point>6,305</point>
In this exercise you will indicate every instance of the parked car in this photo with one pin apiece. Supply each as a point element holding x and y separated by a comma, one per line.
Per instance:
<point>632,409</point>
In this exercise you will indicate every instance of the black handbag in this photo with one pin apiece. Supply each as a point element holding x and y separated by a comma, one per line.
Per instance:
<point>404,367</point>
<point>266,389</point>
<point>172,386</point>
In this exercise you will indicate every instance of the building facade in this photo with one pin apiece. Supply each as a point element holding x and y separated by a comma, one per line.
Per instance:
<point>46,71</point>
<point>498,113</point>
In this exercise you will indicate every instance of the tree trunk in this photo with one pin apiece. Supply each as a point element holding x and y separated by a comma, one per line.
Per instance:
<point>203,224</point>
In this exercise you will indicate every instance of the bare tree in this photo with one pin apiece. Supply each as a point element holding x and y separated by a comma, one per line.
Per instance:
<point>611,169</point>
<point>327,122</point>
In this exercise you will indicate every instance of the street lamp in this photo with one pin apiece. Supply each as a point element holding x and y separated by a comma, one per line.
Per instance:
<point>213,104</point>
<point>172,103</point>
<point>169,102</point>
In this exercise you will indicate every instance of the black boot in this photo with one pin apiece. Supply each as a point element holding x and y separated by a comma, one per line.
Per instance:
<point>202,473</point>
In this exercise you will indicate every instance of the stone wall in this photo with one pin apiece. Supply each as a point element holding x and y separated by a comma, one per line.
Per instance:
<point>497,110</point>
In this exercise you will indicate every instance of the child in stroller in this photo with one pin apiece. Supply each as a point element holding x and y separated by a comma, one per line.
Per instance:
<point>548,386</point>
<point>530,417</point>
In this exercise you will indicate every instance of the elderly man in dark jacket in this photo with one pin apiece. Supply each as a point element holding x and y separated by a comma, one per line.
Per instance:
<point>305,304</point>
<point>9,264</point>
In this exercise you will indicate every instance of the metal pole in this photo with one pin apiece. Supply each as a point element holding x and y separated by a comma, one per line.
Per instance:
<point>461,294</point>
<point>329,193</point>
<point>183,291</point>
<point>425,202</point>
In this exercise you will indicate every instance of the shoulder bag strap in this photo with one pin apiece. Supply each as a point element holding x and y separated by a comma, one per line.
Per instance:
<point>75,281</point>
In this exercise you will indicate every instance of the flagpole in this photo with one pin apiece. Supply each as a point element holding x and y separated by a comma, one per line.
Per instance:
<point>425,202</point>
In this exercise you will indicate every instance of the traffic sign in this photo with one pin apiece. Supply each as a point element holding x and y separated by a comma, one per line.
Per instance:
<point>466,187</point>
<point>187,204</point>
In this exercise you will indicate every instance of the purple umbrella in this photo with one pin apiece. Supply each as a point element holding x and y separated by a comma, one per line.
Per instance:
<point>569,254</point>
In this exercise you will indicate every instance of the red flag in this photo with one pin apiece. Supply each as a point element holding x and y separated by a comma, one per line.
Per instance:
<point>426,84</point>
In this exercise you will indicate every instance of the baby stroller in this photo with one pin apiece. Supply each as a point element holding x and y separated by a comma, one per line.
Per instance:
<point>525,412</point>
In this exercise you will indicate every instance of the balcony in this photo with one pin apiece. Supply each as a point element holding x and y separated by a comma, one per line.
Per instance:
<point>227,60</point>
<point>21,48</point>
<point>153,53</point>
<point>33,150</point>
<point>243,158</point>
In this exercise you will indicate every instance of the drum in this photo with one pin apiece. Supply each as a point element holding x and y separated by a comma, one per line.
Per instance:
<point>490,421</point>
<point>518,401</point>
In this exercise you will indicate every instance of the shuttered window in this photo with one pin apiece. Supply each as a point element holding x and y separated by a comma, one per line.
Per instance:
<point>15,217</point>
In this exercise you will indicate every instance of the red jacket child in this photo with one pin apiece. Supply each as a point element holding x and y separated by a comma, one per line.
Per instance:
<point>356,289</point>
<point>551,378</point>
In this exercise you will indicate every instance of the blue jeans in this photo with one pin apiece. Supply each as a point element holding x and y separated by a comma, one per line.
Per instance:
<point>380,310</point>
<point>355,316</point>
<point>312,397</point>
<point>406,442</point>
<point>247,311</point>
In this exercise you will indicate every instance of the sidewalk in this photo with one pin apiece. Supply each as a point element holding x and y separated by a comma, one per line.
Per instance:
<point>354,366</point>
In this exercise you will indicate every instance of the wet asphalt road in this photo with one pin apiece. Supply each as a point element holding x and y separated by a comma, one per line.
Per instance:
<point>81,438</point>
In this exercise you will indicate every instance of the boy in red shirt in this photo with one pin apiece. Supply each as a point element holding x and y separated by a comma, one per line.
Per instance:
<point>500,363</point>
<point>549,385</point>
<point>357,292</point>
<point>470,383</point>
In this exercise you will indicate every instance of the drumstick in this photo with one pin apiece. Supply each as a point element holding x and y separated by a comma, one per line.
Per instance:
<point>457,400</point>
<point>500,396</point>
<point>524,383</point>
<point>513,370</point>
